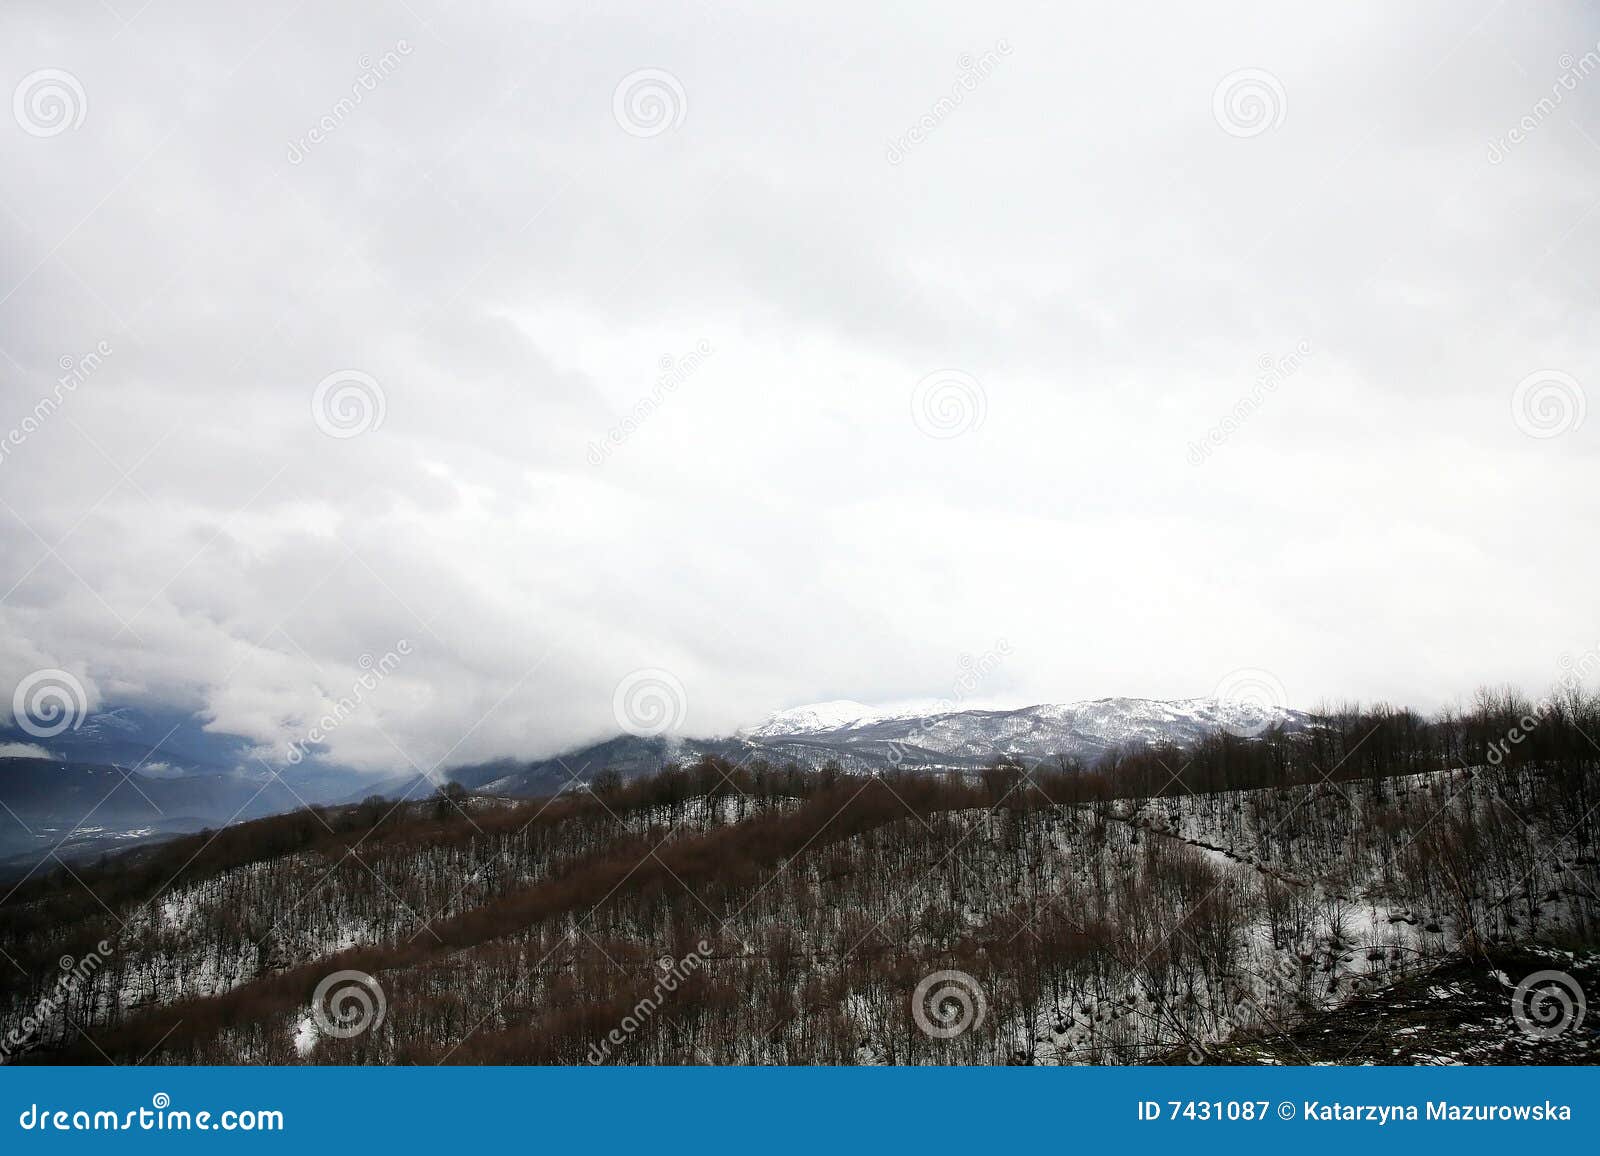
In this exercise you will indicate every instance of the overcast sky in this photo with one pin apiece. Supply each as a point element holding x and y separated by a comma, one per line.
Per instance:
<point>1113,349</point>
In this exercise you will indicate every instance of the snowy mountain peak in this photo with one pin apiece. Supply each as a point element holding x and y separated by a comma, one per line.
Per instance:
<point>816,718</point>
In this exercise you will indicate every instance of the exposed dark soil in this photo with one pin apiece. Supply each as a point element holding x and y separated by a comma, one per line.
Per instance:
<point>1457,1013</point>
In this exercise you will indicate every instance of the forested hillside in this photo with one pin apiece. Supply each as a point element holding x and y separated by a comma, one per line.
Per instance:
<point>1164,905</point>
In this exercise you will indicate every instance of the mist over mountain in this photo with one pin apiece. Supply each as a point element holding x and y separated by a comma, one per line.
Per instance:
<point>126,776</point>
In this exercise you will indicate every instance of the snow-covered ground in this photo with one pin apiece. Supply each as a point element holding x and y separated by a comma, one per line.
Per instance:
<point>1120,931</point>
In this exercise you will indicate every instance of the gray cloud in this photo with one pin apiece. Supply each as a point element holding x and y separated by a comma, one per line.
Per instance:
<point>1080,235</point>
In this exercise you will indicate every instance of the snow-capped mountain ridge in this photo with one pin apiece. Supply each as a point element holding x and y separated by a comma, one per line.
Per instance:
<point>862,739</point>
<point>1083,730</point>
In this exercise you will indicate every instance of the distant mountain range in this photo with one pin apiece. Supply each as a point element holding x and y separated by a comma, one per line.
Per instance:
<point>1079,729</point>
<point>126,775</point>
<point>862,738</point>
